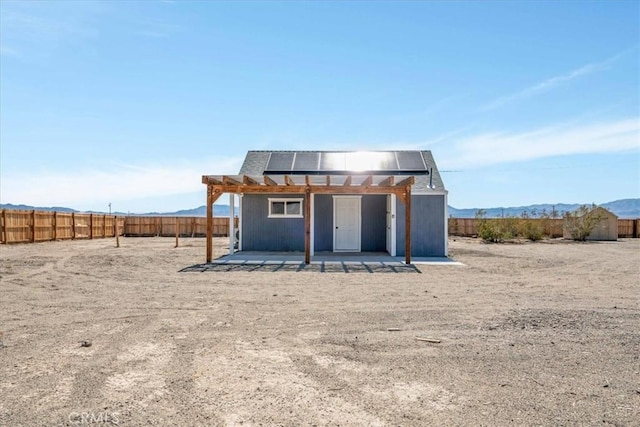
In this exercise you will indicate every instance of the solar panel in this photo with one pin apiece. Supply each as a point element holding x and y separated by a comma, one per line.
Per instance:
<point>333,161</point>
<point>306,161</point>
<point>343,162</point>
<point>410,161</point>
<point>371,161</point>
<point>280,162</point>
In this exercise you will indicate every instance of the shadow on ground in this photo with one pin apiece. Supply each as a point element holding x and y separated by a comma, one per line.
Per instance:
<point>316,267</point>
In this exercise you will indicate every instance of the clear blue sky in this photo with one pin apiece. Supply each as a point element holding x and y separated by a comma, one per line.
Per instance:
<point>132,102</point>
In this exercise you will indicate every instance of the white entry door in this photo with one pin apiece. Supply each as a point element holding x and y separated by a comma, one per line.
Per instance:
<point>391,224</point>
<point>346,223</point>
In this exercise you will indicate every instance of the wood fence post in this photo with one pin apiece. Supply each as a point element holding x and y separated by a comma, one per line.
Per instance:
<point>193,227</point>
<point>115,230</point>
<point>54,226</point>
<point>3,236</point>
<point>104,225</point>
<point>177,231</point>
<point>33,226</point>
<point>73,226</point>
<point>91,226</point>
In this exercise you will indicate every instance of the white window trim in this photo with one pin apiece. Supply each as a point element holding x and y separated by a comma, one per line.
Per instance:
<point>285,214</point>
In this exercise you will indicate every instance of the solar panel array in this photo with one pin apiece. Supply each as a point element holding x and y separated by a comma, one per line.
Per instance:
<point>342,162</point>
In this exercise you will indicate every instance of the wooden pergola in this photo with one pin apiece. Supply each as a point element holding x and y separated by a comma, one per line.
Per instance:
<point>306,185</point>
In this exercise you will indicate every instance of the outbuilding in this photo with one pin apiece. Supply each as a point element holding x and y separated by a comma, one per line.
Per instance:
<point>606,228</point>
<point>336,201</point>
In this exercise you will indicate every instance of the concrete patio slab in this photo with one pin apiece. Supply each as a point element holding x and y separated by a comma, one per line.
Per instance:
<point>294,258</point>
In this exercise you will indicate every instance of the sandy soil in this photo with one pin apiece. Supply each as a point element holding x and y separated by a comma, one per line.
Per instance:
<point>531,334</point>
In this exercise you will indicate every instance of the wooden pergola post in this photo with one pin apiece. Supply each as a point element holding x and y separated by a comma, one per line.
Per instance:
<point>307,226</point>
<point>212,196</point>
<point>209,222</point>
<point>407,225</point>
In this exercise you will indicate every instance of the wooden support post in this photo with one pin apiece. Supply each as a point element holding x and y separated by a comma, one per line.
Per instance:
<point>177,231</point>
<point>307,226</point>
<point>33,226</point>
<point>193,227</point>
<point>91,226</point>
<point>54,226</point>
<point>209,223</point>
<point>115,231</point>
<point>407,225</point>
<point>211,199</point>
<point>104,226</point>
<point>232,223</point>
<point>4,226</point>
<point>73,226</point>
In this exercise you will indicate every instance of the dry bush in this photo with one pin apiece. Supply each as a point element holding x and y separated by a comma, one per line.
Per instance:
<point>581,222</point>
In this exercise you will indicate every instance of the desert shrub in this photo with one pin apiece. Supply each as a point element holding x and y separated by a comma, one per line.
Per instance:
<point>581,222</point>
<point>530,229</point>
<point>498,230</point>
<point>495,230</point>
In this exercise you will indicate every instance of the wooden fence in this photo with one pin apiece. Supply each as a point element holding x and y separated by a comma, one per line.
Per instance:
<point>552,227</point>
<point>40,226</point>
<point>188,226</point>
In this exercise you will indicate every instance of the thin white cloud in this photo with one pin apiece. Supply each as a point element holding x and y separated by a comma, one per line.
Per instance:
<point>7,51</point>
<point>576,138</point>
<point>156,28</point>
<point>36,28</point>
<point>553,82</point>
<point>120,182</point>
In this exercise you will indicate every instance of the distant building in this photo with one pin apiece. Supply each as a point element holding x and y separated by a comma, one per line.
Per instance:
<point>606,229</point>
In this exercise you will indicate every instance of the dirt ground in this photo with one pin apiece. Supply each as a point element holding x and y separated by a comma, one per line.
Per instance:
<point>541,333</point>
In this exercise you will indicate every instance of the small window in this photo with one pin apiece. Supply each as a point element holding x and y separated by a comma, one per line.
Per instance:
<point>285,208</point>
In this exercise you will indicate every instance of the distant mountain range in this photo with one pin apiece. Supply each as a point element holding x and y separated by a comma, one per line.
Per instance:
<point>625,208</point>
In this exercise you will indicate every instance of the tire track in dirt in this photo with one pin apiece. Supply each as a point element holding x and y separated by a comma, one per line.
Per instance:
<point>269,388</point>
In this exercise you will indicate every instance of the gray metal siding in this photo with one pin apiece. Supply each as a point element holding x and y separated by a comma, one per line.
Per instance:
<point>374,223</point>
<point>261,233</point>
<point>323,222</point>
<point>427,226</point>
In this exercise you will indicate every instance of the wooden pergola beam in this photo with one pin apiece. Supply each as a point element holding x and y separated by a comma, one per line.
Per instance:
<point>347,182</point>
<point>247,180</point>
<point>269,181</point>
<point>407,181</point>
<point>288,180</point>
<point>230,181</point>
<point>368,181</point>
<point>300,189</point>
<point>387,182</point>
<point>210,180</point>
